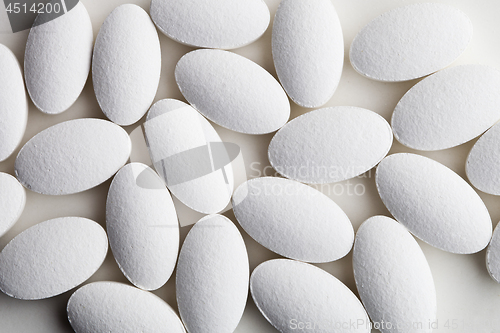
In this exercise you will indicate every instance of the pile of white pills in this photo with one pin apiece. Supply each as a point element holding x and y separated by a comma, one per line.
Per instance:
<point>160,159</point>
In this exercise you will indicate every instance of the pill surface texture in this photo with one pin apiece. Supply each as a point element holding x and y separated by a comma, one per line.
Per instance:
<point>52,257</point>
<point>126,64</point>
<point>291,294</point>
<point>232,91</point>
<point>309,60</point>
<point>410,42</point>
<point>331,144</point>
<point>57,59</point>
<point>293,219</point>
<point>211,24</point>
<point>12,201</point>
<point>106,306</point>
<point>448,108</point>
<point>433,203</point>
<point>212,276</point>
<point>72,156</point>
<point>493,255</point>
<point>393,277</point>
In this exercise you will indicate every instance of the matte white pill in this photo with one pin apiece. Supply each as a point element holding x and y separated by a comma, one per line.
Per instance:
<point>232,91</point>
<point>448,108</point>
<point>115,307</point>
<point>142,226</point>
<point>292,295</point>
<point>393,277</point>
<point>211,24</point>
<point>182,145</point>
<point>410,42</point>
<point>331,144</point>
<point>12,201</point>
<point>293,219</point>
<point>493,255</point>
<point>52,257</point>
<point>483,163</point>
<point>308,50</point>
<point>57,59</point>
<point>72,156</point>
<point>13,103</point>
<point>434,203</point>
<point>126,64</point>
<point>212,276</point>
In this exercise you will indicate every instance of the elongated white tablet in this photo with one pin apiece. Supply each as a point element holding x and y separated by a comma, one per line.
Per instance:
<point>308,50</point>
<point>115,307</point>
<point>232,91</point>
<point>393,277</point>
<point>212,276</point>
<point>181,145</point>
<point>211,24</point>
<point>142,226</point>
<point>331,144</point>
<point>410,42</point>
<point>294,296</point>
<point>493,255</point>
<point>126,64</point>
<point>52,257</point>
<point>448,108</point>
<point>12,201</point>
<point>72,156</point>
<point>57,59</point>
<point>433,203</point>
<point>293,219</point>
<point>13,103</point>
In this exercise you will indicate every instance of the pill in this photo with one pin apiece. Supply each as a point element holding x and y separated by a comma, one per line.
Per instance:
<point>232,91</point>
<point>393,277</point>
<point>126,64</point>
<point>493,255</point>
<point>57,59</point>
<point>13,103</point>
<point>308,50</point>
<point>180,142</point>
<point>448,108</point>
<point>107,306</point>
<point>483,163</point>
<point>211,24</point>
<point>409,42</point>
<point>433,203</point>
<point>293,219</point>
<point>12,201</point>
<point>72,156</point>
<point>330,144</point>
<point>142,226</point>
<point>52,257</point>
<point>294,296</point>
<point>212,276</point>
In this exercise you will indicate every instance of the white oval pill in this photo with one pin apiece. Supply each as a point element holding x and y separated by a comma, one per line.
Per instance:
<point>483,163</point>
<point>410,42</point>
<point>308,60</point>
<point>448,108</point>
<point>212,276</point>
<point>72,156</point>
<point>393,277</point>
<point>115,307</point>
<point>493,255</point>
<point>331,144</point>
<point>180,143</point>
<point>293,219</point>
<point>52,257</point>
<point>13,103</point>
<point>57,59</point>
<point>292,294</point>
<point>126,64</point>
<point>12,201</point>
<point>142,226</point>
<point>434,203</point>
<point>232,91</point>
<point>211,24</point>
